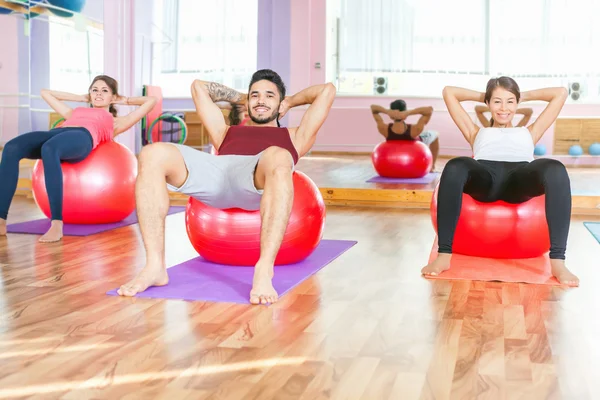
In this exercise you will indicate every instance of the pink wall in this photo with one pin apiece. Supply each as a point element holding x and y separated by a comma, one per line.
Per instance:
<point>350,126</point>
<point>9,77</point>
<point>300,45</point>
<point>307,39</point>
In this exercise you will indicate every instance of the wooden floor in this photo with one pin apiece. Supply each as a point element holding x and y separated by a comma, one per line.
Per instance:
<point>367,326</point>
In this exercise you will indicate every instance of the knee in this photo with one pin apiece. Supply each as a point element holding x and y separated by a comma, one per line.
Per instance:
<point>457,169</point>
<point>49,150</point>
<point>155,155</point>
<point>554,171</point>
<point>277,160</point>
<point>12,151</point>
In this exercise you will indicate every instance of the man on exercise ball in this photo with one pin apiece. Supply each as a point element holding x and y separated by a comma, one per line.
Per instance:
<point>252,171</point>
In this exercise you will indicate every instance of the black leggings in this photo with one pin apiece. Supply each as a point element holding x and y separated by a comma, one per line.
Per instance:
<point>63,144</point>
<point>513,182</point>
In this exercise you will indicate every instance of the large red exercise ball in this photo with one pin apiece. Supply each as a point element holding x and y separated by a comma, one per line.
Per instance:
<point>232,236</point>
<point>73,5</point>
<point>499,229</point>
<point>402,159</point>
<point>97,190</point>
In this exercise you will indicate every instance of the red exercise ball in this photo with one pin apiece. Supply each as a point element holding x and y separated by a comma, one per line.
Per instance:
<point>97,190</point>
<point>232,236</point>
<point>499,229</point>
<point>402,159</point>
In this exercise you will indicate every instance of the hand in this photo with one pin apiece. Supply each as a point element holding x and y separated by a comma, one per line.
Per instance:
<point>284,107</point>
<point>244,101</point>
<point>86,98</point>
<point>120,100</point>
<point>240,108</point>
<point>397,115</point>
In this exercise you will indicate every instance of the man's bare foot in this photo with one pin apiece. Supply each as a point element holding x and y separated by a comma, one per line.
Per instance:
<point>54,234</point>
<point>151,275</point>
<point>263,291</point>
<point>2,227</point>
<point>564,276</point>
<point>439,265</point>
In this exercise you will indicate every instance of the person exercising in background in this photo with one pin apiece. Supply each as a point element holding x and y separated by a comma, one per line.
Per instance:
<point>526,112</point>
<point>400,130</point>
<point>238,113</point>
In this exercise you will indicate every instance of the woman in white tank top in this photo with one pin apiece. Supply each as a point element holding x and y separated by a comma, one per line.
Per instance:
<point>503,167</point>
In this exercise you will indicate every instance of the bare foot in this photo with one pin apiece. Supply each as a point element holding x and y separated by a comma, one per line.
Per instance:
<point>2,227</point>
<point>439,265</point>
<point>151,275</point>
<point>263,291</point>
<point>564,276</point>
<point>54,234</point>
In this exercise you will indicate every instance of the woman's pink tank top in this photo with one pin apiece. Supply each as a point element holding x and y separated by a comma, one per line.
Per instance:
<point>96,120</point>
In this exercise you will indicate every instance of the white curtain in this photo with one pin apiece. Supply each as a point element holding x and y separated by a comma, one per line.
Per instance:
<point>69,73</point>
<point>215,40</point>
<point>411,35</point>
<point>545,37</point>
<point>168,42</point>
<point>526,37</point>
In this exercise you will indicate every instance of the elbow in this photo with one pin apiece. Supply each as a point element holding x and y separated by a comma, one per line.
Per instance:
<point>563,93</point>
<point>429,110</point>
<point>329,90</point>
<point>196,86</point>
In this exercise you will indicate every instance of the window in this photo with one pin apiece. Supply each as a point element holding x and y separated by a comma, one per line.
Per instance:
<point>69,73</point>
<point>422,45</point>
<point>215,41</point>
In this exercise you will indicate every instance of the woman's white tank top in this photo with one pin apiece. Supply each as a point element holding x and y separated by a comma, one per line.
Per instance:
<point>503,144</point>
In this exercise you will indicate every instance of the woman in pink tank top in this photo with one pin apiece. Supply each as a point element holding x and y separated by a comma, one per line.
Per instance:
<point>83,130</point>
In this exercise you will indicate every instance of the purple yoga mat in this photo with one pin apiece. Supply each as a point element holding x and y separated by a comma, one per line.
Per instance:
<point>200,280</point>
<point>40,226</point>
<point>430,177</point>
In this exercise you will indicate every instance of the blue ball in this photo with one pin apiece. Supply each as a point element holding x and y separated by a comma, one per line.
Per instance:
<point>73,5</point>
<point>575,150</point>
<point>539,150</point>
<point>595,149</point>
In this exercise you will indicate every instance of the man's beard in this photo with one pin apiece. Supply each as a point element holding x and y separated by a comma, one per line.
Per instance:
<point>263,120</point>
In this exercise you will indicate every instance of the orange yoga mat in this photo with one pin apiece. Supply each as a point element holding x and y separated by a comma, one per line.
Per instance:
<point>525,270</point>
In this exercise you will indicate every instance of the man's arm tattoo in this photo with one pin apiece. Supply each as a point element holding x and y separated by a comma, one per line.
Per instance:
<point>219,92</point>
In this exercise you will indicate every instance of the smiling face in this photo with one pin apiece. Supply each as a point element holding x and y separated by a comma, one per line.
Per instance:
<point>503,105</point>
<point>263,102</point>
<point>101,94</point>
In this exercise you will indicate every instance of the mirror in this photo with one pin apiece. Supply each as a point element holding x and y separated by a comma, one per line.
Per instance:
<point>54,44</point>
<point>15,62</point>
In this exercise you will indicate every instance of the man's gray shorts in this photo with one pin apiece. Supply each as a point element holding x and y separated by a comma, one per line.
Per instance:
<point>220,181</point>
<point>429,137</point>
